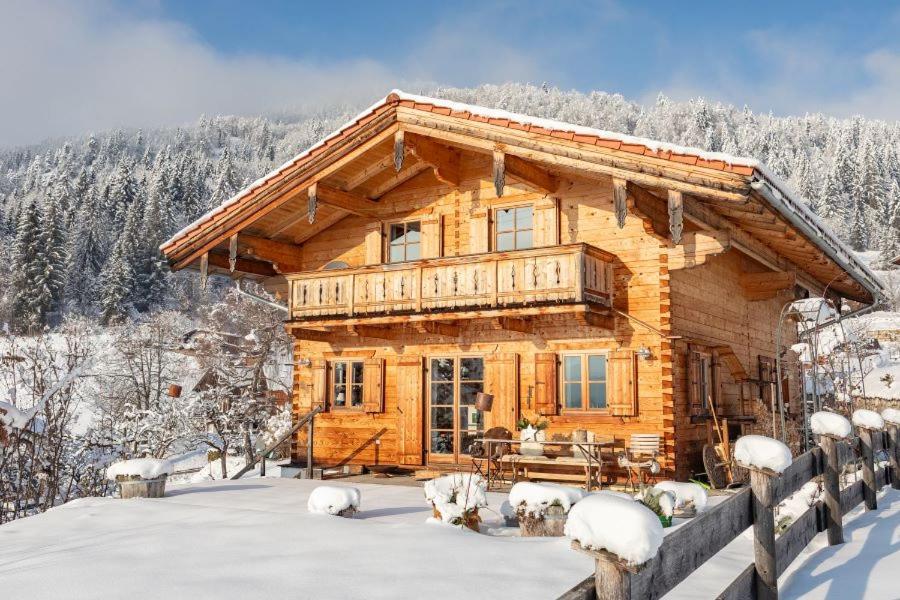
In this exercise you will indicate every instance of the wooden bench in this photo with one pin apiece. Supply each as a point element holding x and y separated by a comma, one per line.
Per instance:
<point>545,468</point>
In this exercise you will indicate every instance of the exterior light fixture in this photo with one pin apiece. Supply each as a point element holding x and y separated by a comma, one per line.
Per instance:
<point>644,353</point>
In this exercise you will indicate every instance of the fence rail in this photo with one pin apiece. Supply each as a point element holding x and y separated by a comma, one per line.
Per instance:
<point>686,548</point>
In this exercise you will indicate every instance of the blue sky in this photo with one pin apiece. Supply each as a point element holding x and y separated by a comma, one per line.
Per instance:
<point>95,64</point>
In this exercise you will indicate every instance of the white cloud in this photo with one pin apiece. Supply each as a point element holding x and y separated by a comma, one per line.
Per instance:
<point>68,69</point>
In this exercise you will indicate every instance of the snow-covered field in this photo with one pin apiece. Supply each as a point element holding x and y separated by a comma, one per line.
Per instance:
<point>255,538</point>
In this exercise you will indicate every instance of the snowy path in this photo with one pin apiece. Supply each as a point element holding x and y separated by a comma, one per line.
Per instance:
<point>255,539</point>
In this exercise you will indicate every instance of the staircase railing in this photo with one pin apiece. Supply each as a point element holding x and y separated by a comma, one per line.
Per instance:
<point>309,420</point>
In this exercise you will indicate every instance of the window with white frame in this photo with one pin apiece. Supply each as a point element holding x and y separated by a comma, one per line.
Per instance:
<point>514,228</point>
<point>404,241</point>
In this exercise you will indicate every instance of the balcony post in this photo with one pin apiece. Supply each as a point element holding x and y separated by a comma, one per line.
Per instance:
<point>579,274</point>
<point>352,299</point>
<point>419,287</point>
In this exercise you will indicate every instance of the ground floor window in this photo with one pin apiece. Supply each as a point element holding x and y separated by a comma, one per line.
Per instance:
<point>347,384</point>
<point>584,381</point>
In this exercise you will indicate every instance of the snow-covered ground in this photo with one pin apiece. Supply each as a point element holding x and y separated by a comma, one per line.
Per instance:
<point>255,538</point>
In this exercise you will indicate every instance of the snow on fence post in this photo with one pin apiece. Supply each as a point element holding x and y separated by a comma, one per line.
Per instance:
<point>891,418</point>
<point>868,422</point>
<point>831,428</point>
<point>766,458</point>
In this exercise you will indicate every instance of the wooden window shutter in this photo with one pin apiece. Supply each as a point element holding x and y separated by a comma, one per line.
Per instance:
<point>318,383</point>
<point>546,390</point>
<point>373,385</point>
<point>479,231</point>
<point>622,383</point>
<point>432,234</point>
<point>694,375</point>
<point>546,222</point>
<point>501,374</point>
<point>410,405</point>
<point>374,243</point>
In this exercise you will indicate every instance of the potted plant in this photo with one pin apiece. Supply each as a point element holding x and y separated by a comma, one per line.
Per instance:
<point>456,498</point>
<point>140,477</point>
<point>661,502</point>
<point>531,433</point>
<point>542,508</point>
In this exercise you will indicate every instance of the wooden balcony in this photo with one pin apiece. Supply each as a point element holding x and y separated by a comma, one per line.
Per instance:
<point>557,275</point>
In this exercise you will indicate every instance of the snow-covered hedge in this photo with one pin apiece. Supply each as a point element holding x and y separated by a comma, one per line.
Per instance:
<point>534,498</point>
<point>891,415</point>
<point>457,495</point>
<point>623,527</point>
<point>144,468</point>
<point>761,452</point>
<point>829,423</point>
<point>687,495</point>
<point>333,500</point>
<point>868,419</point>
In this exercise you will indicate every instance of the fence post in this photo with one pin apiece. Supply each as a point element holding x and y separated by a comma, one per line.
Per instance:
<point>868,455</point>
<point>612,579</point>
<point>832,488</point>
<point>893,436</point>
<point>309,446</point>
<point>764,534</point>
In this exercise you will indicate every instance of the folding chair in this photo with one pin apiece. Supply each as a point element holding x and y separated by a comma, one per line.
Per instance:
<point>640,454</point>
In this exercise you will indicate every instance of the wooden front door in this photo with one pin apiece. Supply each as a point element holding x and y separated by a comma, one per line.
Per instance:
<point>453,421</point>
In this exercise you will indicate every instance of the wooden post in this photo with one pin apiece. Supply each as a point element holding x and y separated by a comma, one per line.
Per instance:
<point>611,580</point>
<point>309,447</point>
<point>893,435</point>
<point>868,456</point>
<point>831,475</point>
<point>262,465</point>
<point>764,534</point>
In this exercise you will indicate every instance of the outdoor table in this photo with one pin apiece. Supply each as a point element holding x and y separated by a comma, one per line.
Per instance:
<point>590,451</point>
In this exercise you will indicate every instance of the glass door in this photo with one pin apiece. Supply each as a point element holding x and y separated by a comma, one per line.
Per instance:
<point>454,423</point>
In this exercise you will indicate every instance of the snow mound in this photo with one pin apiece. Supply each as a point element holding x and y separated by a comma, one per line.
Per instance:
<point>453,495</point>
<point>686,493</point>
<point>534,498</point>
<point>891,415</point>
<point>625,528</point>
<point>868,419</point>
<point>331,499</point>
<point>829,423</point>
<point>145,468</point>
<point>762,452</point>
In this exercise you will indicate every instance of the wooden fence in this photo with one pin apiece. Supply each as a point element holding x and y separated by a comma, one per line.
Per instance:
<point>698,540</point>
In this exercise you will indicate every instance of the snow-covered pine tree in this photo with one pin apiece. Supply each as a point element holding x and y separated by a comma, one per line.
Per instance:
<point>32,297</point>
<point>85,257</point>
<point>120,278</point>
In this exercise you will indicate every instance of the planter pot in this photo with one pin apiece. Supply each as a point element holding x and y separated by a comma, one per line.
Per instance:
<point>142,488</point>
<point>529,445</point>
<point>550,523</point>
<point>470,519</point>
<point>666,521</point>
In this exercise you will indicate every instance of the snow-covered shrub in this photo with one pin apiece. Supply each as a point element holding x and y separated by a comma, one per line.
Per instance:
<point>530,498</point>
<point>139,468</point>
<point>334,500</point>
<point>868,419</point>
<point>829,423</point>
<point>891,415</point>
<point>761,452</point>
<point>623,527</point>
<point>456,498</point>
<point>660,501</point>
<point>688,495</point>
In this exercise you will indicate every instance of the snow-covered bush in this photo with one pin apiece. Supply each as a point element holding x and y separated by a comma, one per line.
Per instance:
<point>891,415</point>
<point>530,498</point>
<point>334,500</point>
<point>139,468</point>
<point>660,501</point>
<point>761,452</point>
<point>457,497</point>
<point>829,423</point>
<point>868,419</point>
<point>688,495</point>
<point>623,527</point>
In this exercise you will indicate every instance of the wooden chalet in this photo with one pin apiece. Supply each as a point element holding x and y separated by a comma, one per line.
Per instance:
<point>430,250</point>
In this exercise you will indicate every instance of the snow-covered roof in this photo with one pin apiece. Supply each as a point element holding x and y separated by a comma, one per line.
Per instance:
<point>776,192</point>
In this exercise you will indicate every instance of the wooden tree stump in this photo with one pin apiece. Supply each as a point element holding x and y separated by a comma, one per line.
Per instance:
<point>135,487</point>
<point>831,473</point>
<point>612,575</point>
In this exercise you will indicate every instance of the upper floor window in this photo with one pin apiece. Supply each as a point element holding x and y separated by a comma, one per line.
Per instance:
<point>584,381</point>
<point>347,384</point>
<point>513,228</point>
<point>404,241</point>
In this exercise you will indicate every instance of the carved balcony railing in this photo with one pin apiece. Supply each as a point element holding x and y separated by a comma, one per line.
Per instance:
<point>567,274</point>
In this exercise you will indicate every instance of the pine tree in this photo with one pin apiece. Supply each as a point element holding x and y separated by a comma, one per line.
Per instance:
<point>85,257</point>
<point>123,191</point>
<point>55,249</point>
<point>227,182</point>
<point>119,281</point>
<point>32,297</point>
